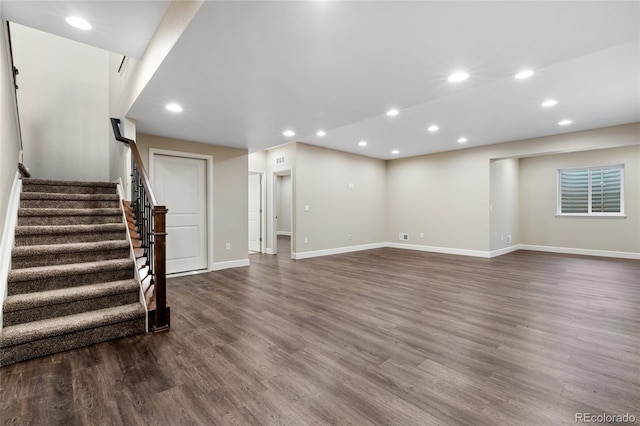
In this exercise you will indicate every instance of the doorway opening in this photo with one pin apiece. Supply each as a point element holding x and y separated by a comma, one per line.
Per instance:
<point>283,212</point>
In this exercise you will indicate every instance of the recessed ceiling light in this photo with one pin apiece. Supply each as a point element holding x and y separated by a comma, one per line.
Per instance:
<point>462,140</point>
<point>524,74</point>
<point>565,122</point>
<point>433,128</point>
<point>362,143</point>
<point>320,133</point>
<point>458,76</point>
<point>395,152</point>
<point>392,112</point>
<point>174,108</point>
<point>549,103</point>
<point>289,133</point>
<point>80,23</point>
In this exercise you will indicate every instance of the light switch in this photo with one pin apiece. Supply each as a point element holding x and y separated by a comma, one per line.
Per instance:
<point>306,207</point>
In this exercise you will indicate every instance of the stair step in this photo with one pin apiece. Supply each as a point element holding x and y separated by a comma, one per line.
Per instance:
<point>68,187</point>
<point>28,307</point>
<point>46,278</point>
<point>68,201</point>
<point>62,234</point>
<point>38,338</point>
<point>61,254</point>
<point>57,216</point>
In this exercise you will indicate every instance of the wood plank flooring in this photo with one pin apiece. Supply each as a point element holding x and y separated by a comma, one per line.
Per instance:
<point>385,337</point>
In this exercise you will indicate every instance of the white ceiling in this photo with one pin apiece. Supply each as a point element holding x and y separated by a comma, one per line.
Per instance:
<point>246,71</point>
<point>120,26</point>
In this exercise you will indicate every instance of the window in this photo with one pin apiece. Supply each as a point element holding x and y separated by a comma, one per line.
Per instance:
<point>593,191</point>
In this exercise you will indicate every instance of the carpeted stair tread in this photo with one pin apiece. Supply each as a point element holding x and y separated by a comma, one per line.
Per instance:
<point>38,330</point>
<point>68,197</point>
<point>24,301</point>
<point>45,272</point>
<point>30,212</point>
<point>56,249</point>
<point>69,229</point>
<point>67,182</point>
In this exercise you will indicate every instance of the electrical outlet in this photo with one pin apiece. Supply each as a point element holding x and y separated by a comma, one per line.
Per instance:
<point>349,235</point>
<point>306,240</point>
<point>508,238</point>
<point>422,235</point>
<point>351,186</point>
<point>228,246</point>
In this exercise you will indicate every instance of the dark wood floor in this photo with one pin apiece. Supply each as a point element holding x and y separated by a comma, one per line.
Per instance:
<point>383,336</point>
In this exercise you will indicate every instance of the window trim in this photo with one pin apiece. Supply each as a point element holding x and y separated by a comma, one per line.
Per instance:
<point>620,214</point>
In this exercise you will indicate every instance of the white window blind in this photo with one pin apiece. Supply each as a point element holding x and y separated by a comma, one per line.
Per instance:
<point>595,191</point>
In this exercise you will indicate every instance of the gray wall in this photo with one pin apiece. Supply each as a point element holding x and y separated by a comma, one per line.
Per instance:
<point>9,143</point>
<point>447,196</point>
<point>230,191</point>
<point>504,195</point>
<point>322,178</point>
<point>538,198</point>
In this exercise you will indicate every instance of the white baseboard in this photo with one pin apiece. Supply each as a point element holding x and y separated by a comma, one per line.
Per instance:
<point>287,233</point>
<point>445,250</point>
<point>505,250</point>
<point>584,252</point>
<point>337,250</point>
<point>218,266</point>
<point>8,237</point>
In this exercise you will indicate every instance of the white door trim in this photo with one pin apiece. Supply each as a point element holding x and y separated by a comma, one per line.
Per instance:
<point>209,193</point>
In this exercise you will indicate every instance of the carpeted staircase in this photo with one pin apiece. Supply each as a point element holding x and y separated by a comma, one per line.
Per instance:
<point>72,281</point>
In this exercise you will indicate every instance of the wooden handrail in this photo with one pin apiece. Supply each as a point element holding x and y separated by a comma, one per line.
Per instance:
<point>146,182</point>
<point>151,222</point>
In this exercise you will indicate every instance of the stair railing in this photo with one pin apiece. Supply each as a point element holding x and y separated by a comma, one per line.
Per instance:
<point>24,172</point>
<point>150,220</point>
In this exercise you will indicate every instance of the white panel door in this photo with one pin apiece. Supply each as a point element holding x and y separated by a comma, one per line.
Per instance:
<point>180,184</point>
<point>255,196</point>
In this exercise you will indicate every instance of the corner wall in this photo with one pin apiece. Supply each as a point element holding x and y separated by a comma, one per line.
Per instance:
<point>503,204</point>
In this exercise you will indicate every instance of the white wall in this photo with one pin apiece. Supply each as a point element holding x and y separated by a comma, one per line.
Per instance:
<point>126,86</point>
<point>64,106</point>
<point>345,194</point>
<point>504,213</point>
<point>538,202</point>
<point>284,196</point>
<point>9,142</point>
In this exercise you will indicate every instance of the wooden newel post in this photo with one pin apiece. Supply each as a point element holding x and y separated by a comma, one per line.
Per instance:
<point>160,272</point>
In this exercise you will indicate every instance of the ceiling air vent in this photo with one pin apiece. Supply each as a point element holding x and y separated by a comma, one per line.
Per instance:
<point>280,160</point>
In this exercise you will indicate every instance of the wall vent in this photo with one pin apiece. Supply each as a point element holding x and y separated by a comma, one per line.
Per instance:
<point>280,160</point>
<point>403,236</point>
